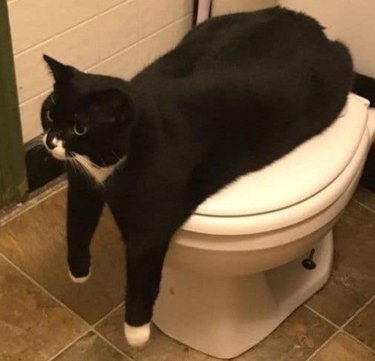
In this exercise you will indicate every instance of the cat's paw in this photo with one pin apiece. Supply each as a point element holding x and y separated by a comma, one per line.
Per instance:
<point>81,279</point>
<point>137,336</point>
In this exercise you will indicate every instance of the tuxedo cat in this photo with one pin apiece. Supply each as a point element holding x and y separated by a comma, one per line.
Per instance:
<point>237,93</point>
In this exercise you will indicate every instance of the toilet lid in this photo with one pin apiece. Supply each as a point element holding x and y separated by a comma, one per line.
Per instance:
<point>297,176</point>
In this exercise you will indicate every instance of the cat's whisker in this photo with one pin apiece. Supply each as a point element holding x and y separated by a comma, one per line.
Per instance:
<point>36,144</point>
<point>73,162</point>
<point>80,168</point>
<point>38,141</point>
<point>96,173</point>
<point>92,164</point>
<point>74,165</point>
<point>117,157</point>
<point>38,147</point>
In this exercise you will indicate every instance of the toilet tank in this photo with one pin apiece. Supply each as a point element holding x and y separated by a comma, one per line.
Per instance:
<point>350,21</point>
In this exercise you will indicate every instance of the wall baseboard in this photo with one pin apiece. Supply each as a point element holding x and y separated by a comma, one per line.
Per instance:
<point>41,167</point>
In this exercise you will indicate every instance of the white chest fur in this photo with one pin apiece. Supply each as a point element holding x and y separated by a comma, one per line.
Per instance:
<point>100,174</point>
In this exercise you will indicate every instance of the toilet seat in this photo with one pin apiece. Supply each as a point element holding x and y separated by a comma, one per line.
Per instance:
<point>319,182</point>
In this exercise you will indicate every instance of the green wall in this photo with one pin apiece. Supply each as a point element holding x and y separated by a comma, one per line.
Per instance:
<point>13,184</point>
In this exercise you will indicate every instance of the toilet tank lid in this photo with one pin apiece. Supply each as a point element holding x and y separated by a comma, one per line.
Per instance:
<point>297,176</point>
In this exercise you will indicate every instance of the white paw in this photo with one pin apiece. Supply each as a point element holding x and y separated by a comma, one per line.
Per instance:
<point>137,336</point>
<point>79,279</point>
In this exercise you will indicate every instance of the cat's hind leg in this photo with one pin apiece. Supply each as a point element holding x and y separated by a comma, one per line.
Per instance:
<point>85,204</point>
<point>147,222</point>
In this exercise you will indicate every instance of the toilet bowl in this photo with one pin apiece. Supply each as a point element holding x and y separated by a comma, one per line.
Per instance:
<point>234,271</point>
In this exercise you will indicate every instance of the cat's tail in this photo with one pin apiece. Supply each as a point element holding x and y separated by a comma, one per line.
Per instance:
<point>365,87</point>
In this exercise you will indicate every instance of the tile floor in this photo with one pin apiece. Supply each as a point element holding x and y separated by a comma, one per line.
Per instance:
<point>43,316</point>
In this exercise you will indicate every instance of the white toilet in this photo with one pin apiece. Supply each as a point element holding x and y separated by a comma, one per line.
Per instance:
<point>234,271</point>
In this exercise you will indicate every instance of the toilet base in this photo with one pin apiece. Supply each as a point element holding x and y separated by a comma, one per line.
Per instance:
<point>226,316</point>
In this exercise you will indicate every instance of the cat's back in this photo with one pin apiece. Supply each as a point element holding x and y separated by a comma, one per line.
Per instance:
<point>248,86</point>
<point>258,70</point>
<point>236,41</point>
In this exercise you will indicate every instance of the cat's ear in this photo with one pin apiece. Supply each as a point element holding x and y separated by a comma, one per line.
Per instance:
<point>60,71</point>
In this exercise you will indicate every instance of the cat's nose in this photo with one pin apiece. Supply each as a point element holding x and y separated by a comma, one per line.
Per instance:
<point>52,139</point>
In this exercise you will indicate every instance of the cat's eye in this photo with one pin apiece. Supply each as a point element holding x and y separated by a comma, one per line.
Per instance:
<point>79,130</point>
<point>48,115</point>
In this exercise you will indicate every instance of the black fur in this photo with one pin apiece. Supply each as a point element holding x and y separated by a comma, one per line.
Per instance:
<point>237,93</point>
<point>365,86</point>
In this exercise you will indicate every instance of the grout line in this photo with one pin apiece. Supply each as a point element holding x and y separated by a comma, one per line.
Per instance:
<point>28,100</point>
<point>359,341</point>
<point>358,312</point>
<point>67,30</point>
<point>138,27</point>
<point>364,205</point>
<point>138,42</point>
<point>312,356</point>
<point>123,50</point>
<point>89,328</point>
<point>112,345</point>
<point>35,283</point>
<point>340,329</point>
<point>323,317</point>
<point>117,53</point>
<point>173,22</point>
<point>17,211</point>
<point>108,314</point>
<point>110,57</point>
<point>67,346</point>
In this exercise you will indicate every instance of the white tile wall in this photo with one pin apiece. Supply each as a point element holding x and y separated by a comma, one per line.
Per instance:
<point>220,7</point>
<point>36,20</point>
<point>114,37</point>
<point>154,17</point>
<point>127,63</point>
<point>154,46</point>
<point>350,21</point>
<point>124,64</point>
<point>82,46</point>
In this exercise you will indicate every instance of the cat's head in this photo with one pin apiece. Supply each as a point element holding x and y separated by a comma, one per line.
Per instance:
<point>87,115</point>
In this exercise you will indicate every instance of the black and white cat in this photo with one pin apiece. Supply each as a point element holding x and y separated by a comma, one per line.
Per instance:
<point>237,93</point>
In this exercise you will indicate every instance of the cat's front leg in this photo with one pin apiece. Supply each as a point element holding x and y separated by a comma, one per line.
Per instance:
<point>85,204</point>
<point>144,269</point>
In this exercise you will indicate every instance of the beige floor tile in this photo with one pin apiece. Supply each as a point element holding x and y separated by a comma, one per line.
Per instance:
<point>353,279</point>
<point>343,348</point>
<point>337,301</point>
<point>366,197</point>
<point>91,348</point>
<point>35,241</point>
<point>295,340</point>
<point>159,348</point>
<point>33,327</point>
<point>363,326</point>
